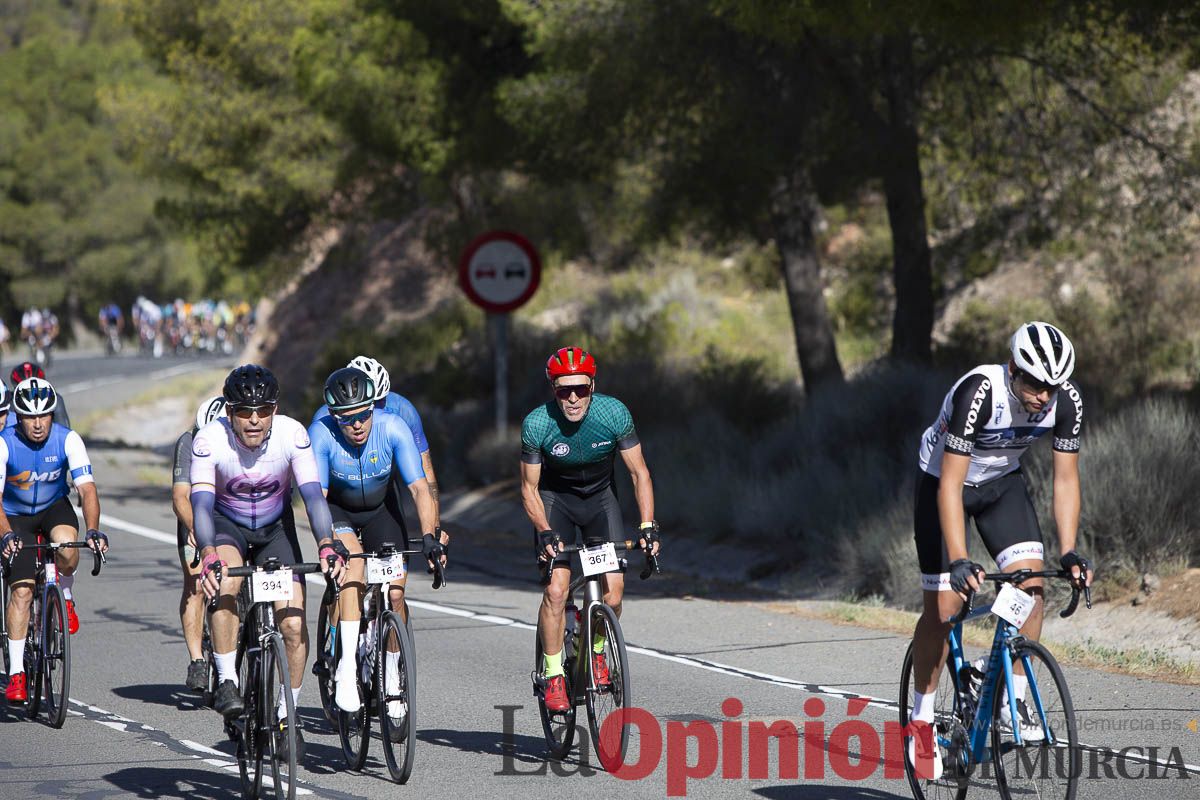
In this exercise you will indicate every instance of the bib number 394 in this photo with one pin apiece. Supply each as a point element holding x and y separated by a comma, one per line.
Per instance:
<point>599,559</point>
<point>266,587</point>
<point>1013,605</point>
<point>385,570</point>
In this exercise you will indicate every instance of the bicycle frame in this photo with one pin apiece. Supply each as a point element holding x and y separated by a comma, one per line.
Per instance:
<point>593,595</point>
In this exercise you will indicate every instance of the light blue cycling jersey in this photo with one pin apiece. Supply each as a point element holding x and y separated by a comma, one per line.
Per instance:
<point>35,475</point>
<point>356,478</point>
<point>396,404</point>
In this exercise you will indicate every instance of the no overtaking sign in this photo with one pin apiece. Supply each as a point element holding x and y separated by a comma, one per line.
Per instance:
<point>499,271</point>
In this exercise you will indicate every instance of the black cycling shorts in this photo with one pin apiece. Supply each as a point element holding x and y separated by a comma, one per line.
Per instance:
<point>590,520</point>
<point>28,527</point>
<point>257,545</point>
<point>1003,514</point>
<point>375,527</point>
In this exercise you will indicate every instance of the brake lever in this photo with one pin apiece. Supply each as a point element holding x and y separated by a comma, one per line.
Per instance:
<point>439,574</point>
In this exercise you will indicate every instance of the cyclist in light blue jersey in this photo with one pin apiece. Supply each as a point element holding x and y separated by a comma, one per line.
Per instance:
<point>360,450</point>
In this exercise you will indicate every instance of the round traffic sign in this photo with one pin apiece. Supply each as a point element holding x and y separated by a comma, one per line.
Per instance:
<point>499,271</point>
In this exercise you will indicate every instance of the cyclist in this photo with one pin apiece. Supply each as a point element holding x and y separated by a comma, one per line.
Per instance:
<point>388,400</point>
<point>240,486</point>
<point>26,370</point>
<point>970,466</point>
<point>112,323</point>
<point>359,448</point>
<point>191,606</point>
<point>568,447</point>
<point>32,456</point>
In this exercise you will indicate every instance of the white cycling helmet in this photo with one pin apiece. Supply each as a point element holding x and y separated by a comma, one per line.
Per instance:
<point>34,397</point>
<point>5,397</point>
<point>1044,352</point>
<point>376,372</point>
<point>210,409</point>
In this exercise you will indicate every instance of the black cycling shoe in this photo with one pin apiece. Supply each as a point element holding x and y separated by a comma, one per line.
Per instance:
<point>227,700</point>
<point>282,741</point>
<point>197,675</point>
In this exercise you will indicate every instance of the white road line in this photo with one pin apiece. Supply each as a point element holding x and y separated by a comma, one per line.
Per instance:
<point>109,521</point>
<point>93,383</point>
<point>688,661</point>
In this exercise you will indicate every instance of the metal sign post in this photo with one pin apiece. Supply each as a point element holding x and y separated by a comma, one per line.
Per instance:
<point>499,271</point>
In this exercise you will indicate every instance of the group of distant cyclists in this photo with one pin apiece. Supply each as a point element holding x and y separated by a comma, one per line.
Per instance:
<point>38,332</point>
<point>235,469</point>
<point>203,327</point>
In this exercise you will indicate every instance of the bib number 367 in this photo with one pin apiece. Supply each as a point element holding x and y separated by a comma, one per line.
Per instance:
<point>599,559</point>
<point>268,587</point>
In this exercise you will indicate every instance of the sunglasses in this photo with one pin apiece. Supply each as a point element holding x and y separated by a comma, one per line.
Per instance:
<point>580,390</point>
<point>1034,385</point>
<point>346,420</point>
<point>246,412</point>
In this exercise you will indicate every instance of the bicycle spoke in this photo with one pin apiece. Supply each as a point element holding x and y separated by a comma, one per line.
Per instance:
<point>605,698</point>
<point>396,687</point>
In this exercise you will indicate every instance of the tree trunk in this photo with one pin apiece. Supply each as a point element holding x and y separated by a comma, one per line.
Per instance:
<point>912,324</point>
<point>793,212</point>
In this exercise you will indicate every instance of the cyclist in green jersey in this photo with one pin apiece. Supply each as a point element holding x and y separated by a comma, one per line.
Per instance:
<point>568,448</point>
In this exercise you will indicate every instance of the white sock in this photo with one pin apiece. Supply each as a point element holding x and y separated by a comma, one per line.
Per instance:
<point>922,709</point>
<point>348,649</point>
<point>393,672</point>
<point>66,583</point>
<point>1020,685</point>
<point>226,666</point>
<point>16,656</point>
<point>281,709</point>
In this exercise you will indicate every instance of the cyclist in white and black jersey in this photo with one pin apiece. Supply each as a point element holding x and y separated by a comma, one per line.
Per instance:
<point>970,466</point>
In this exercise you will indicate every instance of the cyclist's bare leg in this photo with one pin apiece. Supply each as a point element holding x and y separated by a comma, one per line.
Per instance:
<point>20,597</point>
<point>289,617</point>
<point>614,590</point>
<point>224,619</point>
<point>551,620</point>
<point>354,584</point>
<point>396,595</point>
<point>929,639</point>
<point>191,608</point>
<point>1032,629</point>
<point>67,558</point>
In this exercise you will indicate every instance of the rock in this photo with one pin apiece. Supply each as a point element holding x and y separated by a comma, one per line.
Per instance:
<point>1151,584</point>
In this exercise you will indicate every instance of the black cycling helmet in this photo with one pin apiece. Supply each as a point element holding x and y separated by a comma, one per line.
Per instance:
<point>251,385</point>
<point>348,387</point>
<point>24,371</point>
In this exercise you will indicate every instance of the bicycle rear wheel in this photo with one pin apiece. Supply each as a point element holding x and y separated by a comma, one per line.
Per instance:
<point>56,656</point>
<point>1048,767</point>
<point>603,701</point>
<point>33,657</point>
<point>396,692</point>
<point>324,663</point>
<point>557,726</point>
<point>947,729</point>
<point>354,729</point>
<point>280,739</point>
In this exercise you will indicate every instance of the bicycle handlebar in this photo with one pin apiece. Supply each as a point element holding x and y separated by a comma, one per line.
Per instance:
<point>1020,576</point>
<point>271,566</point>
<point>651,567</point>
<point>98,558</point>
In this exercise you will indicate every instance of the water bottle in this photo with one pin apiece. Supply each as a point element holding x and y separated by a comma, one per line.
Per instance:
<point>570,644</point>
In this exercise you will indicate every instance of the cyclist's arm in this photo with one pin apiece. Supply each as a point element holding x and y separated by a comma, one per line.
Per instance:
<point>535,509</point>
<point>182,504</point>
<point>950,504</point>
<point>181,484</point>
<point>80,467</point>
<point>971,405</point>
<point>204,499</point>
<point>89,498</point>
<point>5,525</point>
<point>643,487</point>
<point>427,465</point>
<point>317,508</point>
<point>1066,499</point>
<point>426,505</point>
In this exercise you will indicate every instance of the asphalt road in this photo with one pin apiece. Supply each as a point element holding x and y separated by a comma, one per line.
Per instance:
<point>704,669</point>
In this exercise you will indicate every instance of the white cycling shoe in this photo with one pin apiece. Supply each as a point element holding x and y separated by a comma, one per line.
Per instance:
<point>345,692</point>
<point>1031,730</point>
<point>926,765</point>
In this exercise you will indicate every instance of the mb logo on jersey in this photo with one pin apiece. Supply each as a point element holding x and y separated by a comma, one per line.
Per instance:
<point>560,449</point>
<point>251,488</point>
<point>25,480</point>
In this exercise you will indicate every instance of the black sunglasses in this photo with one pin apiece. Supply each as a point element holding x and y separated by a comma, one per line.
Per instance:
<point>246,412</point>
<point>1034,384</point>
<point>580,390</point>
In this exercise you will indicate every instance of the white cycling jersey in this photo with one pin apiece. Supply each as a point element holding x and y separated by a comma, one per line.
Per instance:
<point>983,419</point>
<point>252,486</point>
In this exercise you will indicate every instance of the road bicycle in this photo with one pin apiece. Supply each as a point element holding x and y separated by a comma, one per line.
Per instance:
<point>265,679</point>
<point>387,683</point>
<point>47,642</point>
<point>972,718</point>
<point>582,625</point>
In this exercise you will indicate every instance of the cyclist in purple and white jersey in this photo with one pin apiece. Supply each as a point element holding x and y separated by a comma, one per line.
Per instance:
<point>241,472</point>
<point>970,466</point>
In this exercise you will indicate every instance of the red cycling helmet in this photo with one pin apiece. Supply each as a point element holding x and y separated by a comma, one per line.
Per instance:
<point>24,371</point>
<point>570,361</point>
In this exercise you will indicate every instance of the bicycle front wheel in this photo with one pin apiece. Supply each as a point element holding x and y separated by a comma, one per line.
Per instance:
<point>249,728</point>
<point>605,698</point>
<point>354,729</point>
<point>396,684</point>
<point>1047,761</point>
<point>56,656</point>
<point>33,657</point>
<point>557,726</point>
<point>324,663</point>
<point>948,731</point>
<point>280,732</point>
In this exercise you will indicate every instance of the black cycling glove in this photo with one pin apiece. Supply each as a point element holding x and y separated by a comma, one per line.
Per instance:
<point>960,571</point>
<point>546,539</point>
<point>1073,559</point>
<point>98,536</point>
<point>650,534</point>
<point>433,549</point>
